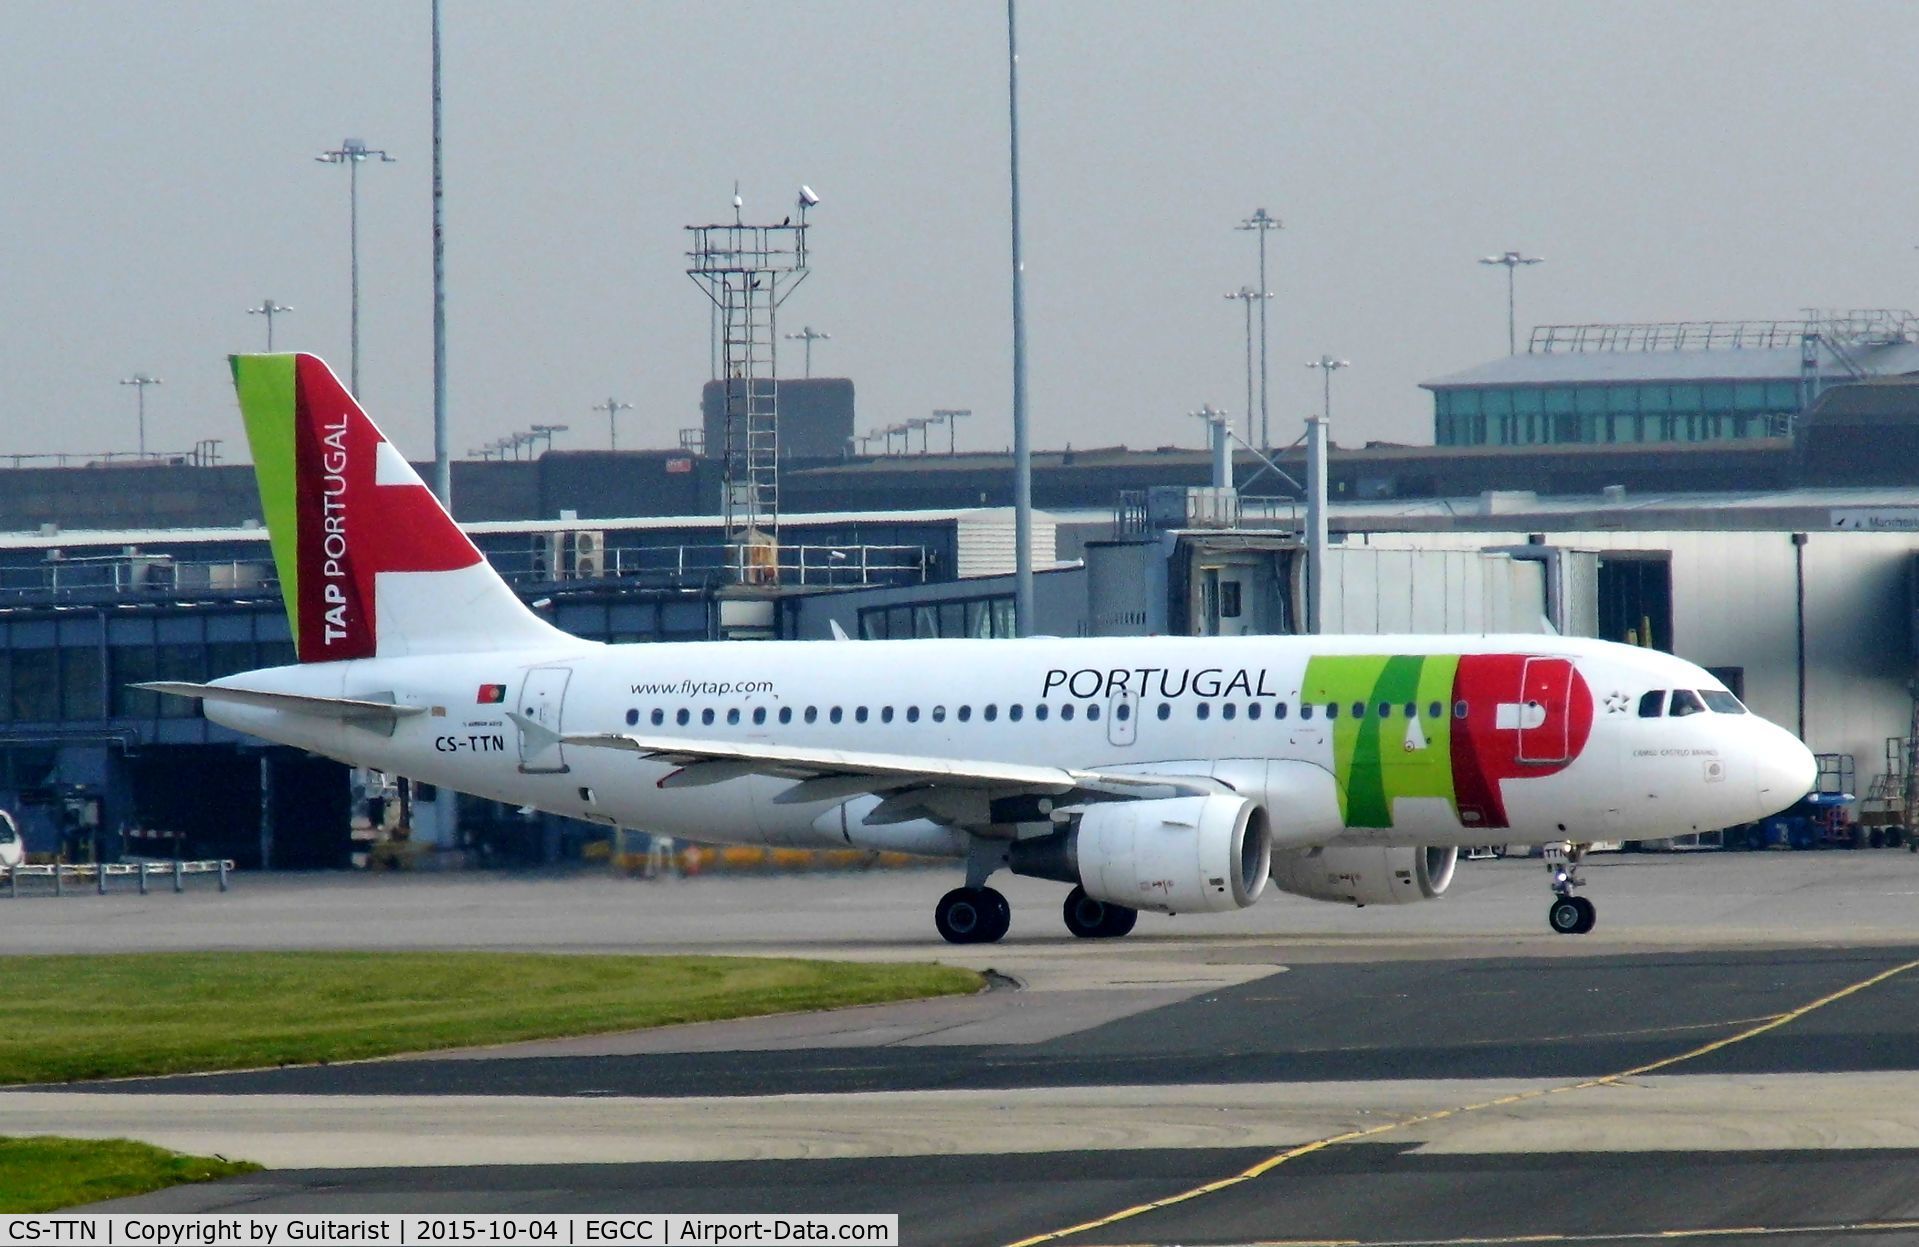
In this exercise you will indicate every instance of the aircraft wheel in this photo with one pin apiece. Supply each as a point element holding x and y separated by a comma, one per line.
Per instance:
<point>1588,915</point>
<point>999,917</point>
<point>1566,915</point>
<point>965,915</point>
<point>1090,919</point>
<point>1119,921</point>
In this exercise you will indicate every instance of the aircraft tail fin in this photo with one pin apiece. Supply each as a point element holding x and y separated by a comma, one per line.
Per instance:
<point>370,563</point>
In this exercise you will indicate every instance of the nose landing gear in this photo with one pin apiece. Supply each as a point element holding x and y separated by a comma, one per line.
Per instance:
<point>1568,914</point>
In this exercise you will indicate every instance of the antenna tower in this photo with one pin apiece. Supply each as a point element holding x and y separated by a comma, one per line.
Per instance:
<point>748,271</point>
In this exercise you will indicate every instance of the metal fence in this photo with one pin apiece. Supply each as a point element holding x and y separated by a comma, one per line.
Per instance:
<point>61,877</point>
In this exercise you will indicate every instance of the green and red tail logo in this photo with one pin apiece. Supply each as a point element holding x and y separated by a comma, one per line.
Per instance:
<point>342,504</point>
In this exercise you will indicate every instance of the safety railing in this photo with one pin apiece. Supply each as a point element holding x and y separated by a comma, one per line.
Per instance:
<point>144,873</point>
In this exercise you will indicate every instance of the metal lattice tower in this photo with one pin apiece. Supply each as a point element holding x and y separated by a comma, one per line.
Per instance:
<point>748,271</point>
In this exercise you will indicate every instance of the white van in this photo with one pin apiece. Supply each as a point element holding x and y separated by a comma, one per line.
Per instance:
<point>12,850</point>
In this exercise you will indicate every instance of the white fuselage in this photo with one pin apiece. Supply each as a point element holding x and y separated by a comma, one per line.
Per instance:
<point>1167,705</point>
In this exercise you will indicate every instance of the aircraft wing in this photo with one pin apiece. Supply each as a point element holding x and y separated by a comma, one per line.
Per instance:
<point>351,709</point>
<point>838,774</point>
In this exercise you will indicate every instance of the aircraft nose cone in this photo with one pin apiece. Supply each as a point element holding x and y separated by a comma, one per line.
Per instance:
<point>1784,770</point>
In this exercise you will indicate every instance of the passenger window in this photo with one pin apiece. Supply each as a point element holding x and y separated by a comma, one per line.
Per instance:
<point>684,717</point>
<point>886,714</point>
<point>632,717</point>
<point>812,714</point>
<point>706,717</point>
<point>1123,712</point>
<point>1305,710</point>
<point>1359,710</point>
<point>1279,710</point>
<point>859,714</point>
<point>1721,702</point>
<point>1412,710</point>
<point>965,714</point>
<point>1651,704</point>
<point>990,713</point>
<point>1385,710</point>
<point>1685,702</point>
<point>786,714</point>
<point>939,714</point>
<point>1332,710</point>
<point>1434,710</point>
<point>1459,709</point>
<point>759,714</point>
<point>1066,712</point>
<point>1228,710</point>
<point>1039,712</point>
<point>833,715</point>
<point>1203,710</point>
<point>1165,710</point>
<point>912,714</point>
<point>1092,713</point>
<point>1252,710</point>
<point>733,717</point>
<point>1014,711</point>
<point>659,716</point>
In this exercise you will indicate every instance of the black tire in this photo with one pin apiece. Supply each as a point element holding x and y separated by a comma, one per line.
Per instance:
<point>1086,917</point>
<point>1876,838</point>
<point>1588,916</point>
<point>999,917</point>
<point>1119,921</point>
<point>962,915</point>
<point>1565,914</point>
<point>1895,836</point>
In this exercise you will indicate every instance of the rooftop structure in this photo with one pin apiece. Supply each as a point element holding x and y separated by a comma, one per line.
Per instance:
<point>1682,381</point>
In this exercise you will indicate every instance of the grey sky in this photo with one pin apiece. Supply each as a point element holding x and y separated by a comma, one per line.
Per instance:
<point>1735,159</point>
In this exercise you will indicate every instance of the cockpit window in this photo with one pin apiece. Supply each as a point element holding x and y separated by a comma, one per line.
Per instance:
<point>1685,702</point>
<point>1721,702</point>
<point>1653,704</point>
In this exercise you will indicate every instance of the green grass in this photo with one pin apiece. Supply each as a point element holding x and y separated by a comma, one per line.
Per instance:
<point>66,1018</point>
<point>42,1174</point>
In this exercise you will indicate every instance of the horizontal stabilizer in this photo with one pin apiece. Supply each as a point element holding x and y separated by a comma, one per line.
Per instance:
<point>350,709</point>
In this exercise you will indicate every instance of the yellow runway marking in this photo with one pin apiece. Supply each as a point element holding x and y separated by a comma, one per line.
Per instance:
<point>1353,1136</point>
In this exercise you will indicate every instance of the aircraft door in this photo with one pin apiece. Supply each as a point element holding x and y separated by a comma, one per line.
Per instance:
<point>541,703</point>
<point>1544,719</point>
<point>1122,717</point>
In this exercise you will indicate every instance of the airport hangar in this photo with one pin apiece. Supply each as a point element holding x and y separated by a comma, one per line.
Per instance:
<point>1773,543</point>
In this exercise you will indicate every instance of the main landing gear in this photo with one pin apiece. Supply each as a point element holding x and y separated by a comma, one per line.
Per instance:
<point>1568,914</point>
<point>1096,920</point>
<point>972,916</point>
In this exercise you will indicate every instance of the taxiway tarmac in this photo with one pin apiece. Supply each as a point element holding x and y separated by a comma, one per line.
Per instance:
<point>1437,1072</point>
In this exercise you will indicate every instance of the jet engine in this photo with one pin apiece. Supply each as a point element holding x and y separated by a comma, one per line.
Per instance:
<point>1173,855</point>
<point>1366,875</point>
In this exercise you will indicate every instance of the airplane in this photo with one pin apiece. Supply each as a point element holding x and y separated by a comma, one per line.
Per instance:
<point>1167,774</point>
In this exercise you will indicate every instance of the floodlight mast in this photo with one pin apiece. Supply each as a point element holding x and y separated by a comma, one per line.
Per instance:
<point>1263,224</point>
<point>140,381</point>
<point>350,153</point>
<point>1023,622</point>
<point>1511,261</point>
<point>952,416</point>
<point>612,407</point>
<point>808,335</point>
<point>1248,296</point>
<point>269,309</point>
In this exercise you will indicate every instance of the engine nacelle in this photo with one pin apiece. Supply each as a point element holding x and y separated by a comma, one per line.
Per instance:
<point>1366,875</point>
<point>1175,855</point>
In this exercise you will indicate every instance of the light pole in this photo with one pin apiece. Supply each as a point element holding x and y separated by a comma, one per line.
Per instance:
<point>1219,434</point>
<point>1263,225</point>
<point>808,335</point>
<point>269,309</point>
<point>1024,622</point>
<point>546,431</point>
<point>350,153</point>
<point>1328,366</point>
<point>952,416</point>
<point>612,407</point>
<point>1511,261</point>
<point>920,423</point>
<point>140,381</point>
<point>1249,296</point>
